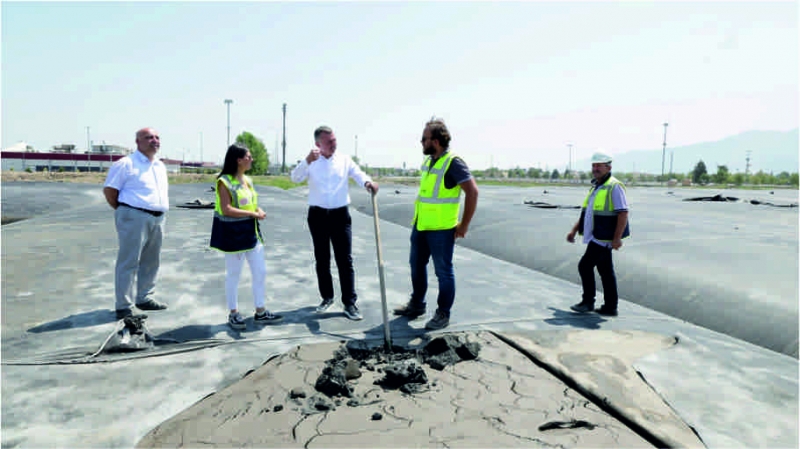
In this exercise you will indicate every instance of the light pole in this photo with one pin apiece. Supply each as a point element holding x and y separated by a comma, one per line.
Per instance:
<point>283,167</point>
<point>671,158</point>
<point>663,153</point>
<point>569,165</point>
<point>228,102</point>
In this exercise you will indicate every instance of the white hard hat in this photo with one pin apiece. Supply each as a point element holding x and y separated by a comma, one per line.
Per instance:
<point>601,158</point>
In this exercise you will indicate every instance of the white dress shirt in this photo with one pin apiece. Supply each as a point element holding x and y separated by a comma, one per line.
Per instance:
<point>141,183</point>
<point>328,180</point>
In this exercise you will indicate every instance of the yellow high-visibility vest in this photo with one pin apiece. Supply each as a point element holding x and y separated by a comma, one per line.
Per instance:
<point>604,218</point>
<point>242,196</point>
<point>436,207</point>
<point>235,234</point>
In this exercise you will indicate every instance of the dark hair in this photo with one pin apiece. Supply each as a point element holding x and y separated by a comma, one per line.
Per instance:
<point>439,132</point>
<point>320,130</point>
<point>231,166</point>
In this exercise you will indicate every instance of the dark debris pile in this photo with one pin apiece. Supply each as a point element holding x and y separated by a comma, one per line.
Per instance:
<point>402,369</point>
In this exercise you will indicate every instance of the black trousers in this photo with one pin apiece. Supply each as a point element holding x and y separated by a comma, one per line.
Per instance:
<point>332,227</point>
<point>598,256</point>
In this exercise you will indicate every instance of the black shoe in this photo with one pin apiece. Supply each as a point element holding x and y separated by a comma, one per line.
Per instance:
<point>236,321</point>
<point>582,307</point>
<point>439,321</point>
<point>324,305</point>
<point>606,311</point>
<point>410,310</point>
<point>267,317</point>
<point>151,304</point>
<point>124,313</point>
<point>353,313</point>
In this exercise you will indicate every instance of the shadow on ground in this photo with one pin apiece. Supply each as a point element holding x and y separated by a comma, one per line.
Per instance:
<point>580,320</point>
<point>84,319</point>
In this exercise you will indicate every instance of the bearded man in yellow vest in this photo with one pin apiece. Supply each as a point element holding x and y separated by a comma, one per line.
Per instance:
<point>435,225</point>
<point>603,224</point>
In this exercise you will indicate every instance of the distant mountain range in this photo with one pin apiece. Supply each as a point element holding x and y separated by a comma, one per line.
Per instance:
<point>771,151</point>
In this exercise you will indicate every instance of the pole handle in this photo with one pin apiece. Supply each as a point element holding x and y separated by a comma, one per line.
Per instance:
<point>385,308</point>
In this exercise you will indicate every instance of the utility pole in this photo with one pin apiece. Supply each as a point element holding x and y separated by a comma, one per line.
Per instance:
<point>283,167</point>
<point>569,166</point>
<point>747,164</point>
<point>228,102</point>
<point>663,153</point>
<point>201,147</point>
<point>671,157</point>
<point>275,150</point>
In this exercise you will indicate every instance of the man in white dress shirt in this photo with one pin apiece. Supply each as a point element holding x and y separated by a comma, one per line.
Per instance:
<point>137,189</point>
<point>329,220</point>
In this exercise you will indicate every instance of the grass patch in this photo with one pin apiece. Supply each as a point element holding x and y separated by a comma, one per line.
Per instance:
<point>281,182</point>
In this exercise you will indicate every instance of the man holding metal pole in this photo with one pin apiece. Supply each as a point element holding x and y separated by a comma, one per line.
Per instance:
<point>435,225</point>
<point>329,219</point>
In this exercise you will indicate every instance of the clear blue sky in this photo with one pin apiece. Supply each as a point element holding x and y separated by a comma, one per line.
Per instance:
<point>516,82</point>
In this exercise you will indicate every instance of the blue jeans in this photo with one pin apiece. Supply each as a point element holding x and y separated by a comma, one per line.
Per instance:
<point>438,245</point>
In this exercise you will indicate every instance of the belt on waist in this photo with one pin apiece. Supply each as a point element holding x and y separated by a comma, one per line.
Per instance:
<point>327,210</point>
<point>154,213</point>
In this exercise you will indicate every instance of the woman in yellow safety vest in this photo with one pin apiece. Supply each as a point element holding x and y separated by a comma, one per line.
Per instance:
<point>236,232</point>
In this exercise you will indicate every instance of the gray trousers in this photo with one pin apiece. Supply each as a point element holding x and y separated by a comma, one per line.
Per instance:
<point>139,235</point>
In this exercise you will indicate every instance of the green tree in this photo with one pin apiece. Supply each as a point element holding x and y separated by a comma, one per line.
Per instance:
<point>762,178</point>
<point>534,173</point>
<point>738,179</point>
<point>554,175</point>
<point>698,172</point>
<point>258,150</point>
<point>721,177</point>
<point>793,179</point>
<point>516,172</point>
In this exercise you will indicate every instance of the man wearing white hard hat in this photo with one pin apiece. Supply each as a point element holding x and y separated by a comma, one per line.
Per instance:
<point>603,224</point>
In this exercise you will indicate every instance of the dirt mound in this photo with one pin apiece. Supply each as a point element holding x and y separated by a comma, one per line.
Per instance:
<point>402,369</point>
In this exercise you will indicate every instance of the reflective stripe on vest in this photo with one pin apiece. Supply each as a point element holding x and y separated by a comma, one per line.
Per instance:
<point>436,207</point>
<point>603,201</point>
<point>604,217</point>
